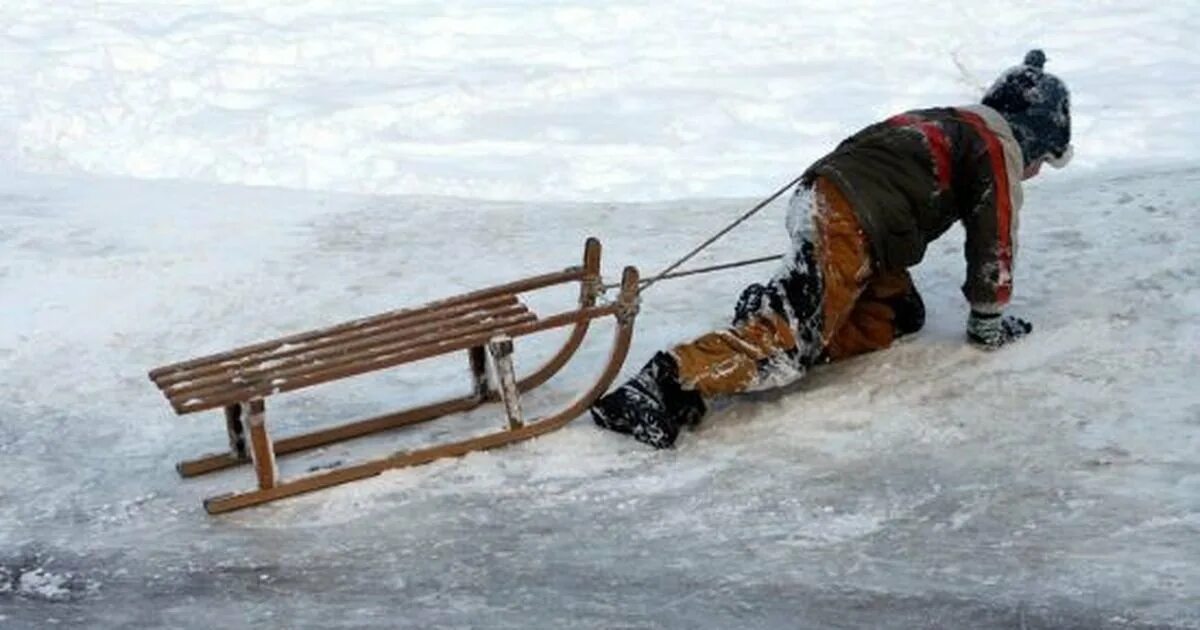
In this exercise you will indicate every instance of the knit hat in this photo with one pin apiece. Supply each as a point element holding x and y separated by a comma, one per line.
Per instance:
<point>1036,105</point>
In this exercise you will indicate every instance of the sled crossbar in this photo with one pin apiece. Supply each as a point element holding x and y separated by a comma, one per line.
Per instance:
<point>482,323</point>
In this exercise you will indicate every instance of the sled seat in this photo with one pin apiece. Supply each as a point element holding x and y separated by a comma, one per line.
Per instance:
<point>482,323</point>
<point>349,349</point>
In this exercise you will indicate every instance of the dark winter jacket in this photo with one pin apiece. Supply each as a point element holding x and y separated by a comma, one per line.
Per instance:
<point>912,176</point>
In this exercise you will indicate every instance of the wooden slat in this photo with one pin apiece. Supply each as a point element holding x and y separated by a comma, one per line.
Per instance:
<point>288,346</point>
<point>435,336</point>
<point>375,358</point>
<point>330,350</point>
<point>520,286</point>
<point>385,360</point>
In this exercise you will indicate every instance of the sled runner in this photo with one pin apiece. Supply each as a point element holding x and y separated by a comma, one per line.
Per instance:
<point>482,324</point>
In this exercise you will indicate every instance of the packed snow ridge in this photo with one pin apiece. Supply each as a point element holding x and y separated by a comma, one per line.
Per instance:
<point>565,100</point>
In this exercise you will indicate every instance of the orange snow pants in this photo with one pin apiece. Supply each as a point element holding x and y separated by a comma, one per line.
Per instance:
<point>828,304</point>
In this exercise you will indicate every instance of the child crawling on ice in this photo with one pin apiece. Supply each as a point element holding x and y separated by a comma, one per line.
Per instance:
<point>861,216</point>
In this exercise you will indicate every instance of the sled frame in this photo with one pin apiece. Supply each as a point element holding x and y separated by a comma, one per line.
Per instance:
<point>482,323</point>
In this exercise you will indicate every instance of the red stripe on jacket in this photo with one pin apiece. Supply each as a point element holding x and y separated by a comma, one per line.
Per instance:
<point>1003,203</point>
<point>939,146</point>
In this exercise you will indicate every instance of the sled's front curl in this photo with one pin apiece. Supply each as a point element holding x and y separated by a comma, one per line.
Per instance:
<point>481,323</point>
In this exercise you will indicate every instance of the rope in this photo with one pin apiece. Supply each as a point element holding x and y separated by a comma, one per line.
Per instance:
<point>666,273</point>
<point>691,272</point>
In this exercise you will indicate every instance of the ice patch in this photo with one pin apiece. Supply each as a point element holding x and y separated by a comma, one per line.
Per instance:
<point>828,530</point>
<point>42,584</point>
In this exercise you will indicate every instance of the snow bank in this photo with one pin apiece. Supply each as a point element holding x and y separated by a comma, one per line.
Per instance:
<point>563,100</point>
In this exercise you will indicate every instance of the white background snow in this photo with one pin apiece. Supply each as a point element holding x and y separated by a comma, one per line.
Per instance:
<point>177,178</point>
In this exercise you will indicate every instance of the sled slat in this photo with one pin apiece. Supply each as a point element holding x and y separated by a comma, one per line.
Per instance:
<point>512,288</point>
<point>273,376</point>
<point>346,349</point>
<point>379,361</point>
<point>316,341</point>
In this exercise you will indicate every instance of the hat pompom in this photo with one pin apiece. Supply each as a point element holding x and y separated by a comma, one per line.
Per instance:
<point>1035,58</point>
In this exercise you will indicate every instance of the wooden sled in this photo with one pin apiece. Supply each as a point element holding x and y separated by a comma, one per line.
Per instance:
<point>482,324</point>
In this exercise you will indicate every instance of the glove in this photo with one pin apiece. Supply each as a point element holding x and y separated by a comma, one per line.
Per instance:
<point>992,330</point>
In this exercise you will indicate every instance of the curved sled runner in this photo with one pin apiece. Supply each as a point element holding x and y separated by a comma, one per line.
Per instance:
<point>482,323</point>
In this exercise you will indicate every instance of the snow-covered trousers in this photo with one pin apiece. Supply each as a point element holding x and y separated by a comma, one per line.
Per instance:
<point>827,302</point>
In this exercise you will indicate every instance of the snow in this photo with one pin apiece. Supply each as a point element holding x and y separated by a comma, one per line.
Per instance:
<point>516,99</point>
<point>39,583</point>
<point>1050,484</point>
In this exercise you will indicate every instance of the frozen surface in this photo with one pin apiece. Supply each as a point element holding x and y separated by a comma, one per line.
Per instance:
<point>525,99</point>
<point>1053,484</point>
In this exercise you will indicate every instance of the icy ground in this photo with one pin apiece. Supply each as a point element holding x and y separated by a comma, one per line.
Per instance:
<point>1054,484</point>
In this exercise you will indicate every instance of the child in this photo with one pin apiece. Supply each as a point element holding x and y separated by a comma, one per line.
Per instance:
<point>861,216</point>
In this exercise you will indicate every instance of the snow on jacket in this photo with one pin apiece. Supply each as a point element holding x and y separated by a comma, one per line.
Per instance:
<point>910,177</point>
